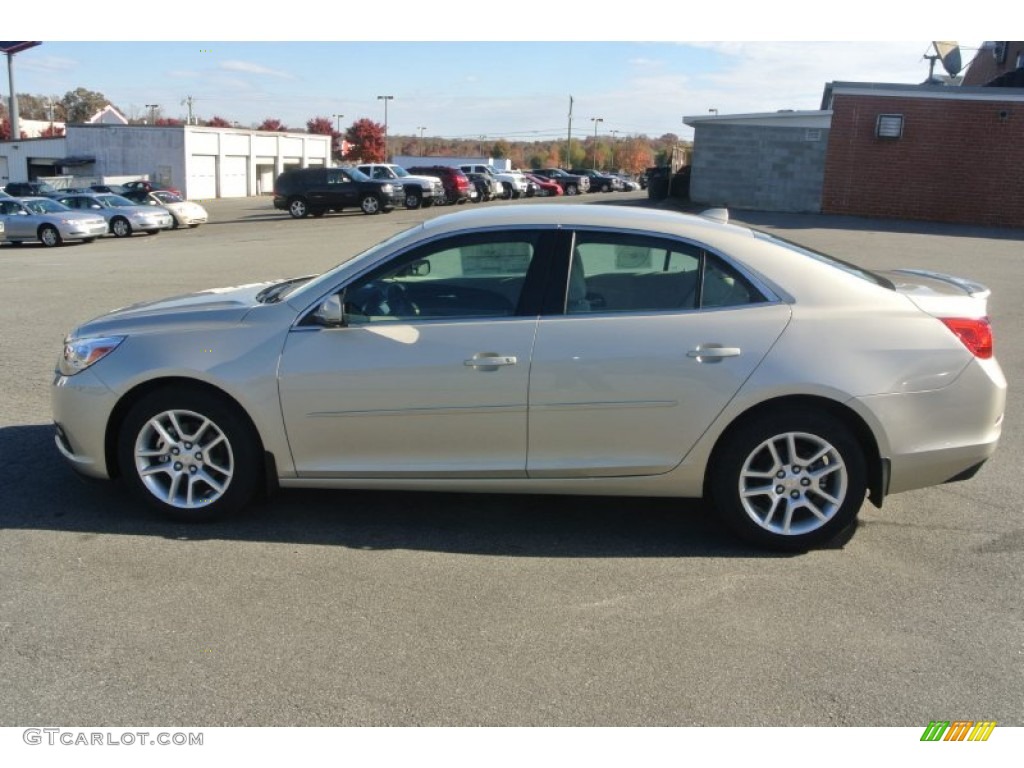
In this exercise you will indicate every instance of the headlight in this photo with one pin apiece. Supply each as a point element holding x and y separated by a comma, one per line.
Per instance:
<point>79,354</point>
<point>388,188</point>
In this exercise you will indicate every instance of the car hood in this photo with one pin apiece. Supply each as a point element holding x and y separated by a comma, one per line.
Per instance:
<point>216,306</point>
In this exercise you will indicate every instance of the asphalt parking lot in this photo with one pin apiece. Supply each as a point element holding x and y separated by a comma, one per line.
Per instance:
<point>367,608</point>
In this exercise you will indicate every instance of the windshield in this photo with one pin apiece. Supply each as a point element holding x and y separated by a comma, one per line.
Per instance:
<point>45,206</point>
<point>115,201</point>
<point>845,266</point>
<point>400,172</point>
<point>167,197</point>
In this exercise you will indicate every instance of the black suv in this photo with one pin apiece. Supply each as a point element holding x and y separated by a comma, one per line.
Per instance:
<point>314,191</point>
<point>599,182</point>
<point>32,189</point>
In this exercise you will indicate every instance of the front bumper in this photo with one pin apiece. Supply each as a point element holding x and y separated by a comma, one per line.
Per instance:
<point>81,407</point>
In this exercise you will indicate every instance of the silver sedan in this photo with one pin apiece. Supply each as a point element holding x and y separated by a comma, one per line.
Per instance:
<point>555,349</point>
<point>28,219</point>
<point>123,216</point>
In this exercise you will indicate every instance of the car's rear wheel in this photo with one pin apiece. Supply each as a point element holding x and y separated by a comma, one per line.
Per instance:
<point>571,189</point>
<point>789,480</point>
<point>298,208</point>
<point>191,453</point>
<point>49,236</point>
<point>120,227</point>
<point>370,204</point>
<point>413,200</point>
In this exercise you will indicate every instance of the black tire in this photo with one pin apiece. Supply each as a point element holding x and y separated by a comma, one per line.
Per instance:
<point>571,189</point>
<point>506,191</point>
<point>318,213</point>
<point>769,498</point>
<point>120,227</point>
<point>154,232</point>
<point>174,222</point>
<point>427,202</point>
<point>176,477</point>
<point>413,200</point>
<point>370,205</point>
<point>49,236</point>
<point>298,208</point>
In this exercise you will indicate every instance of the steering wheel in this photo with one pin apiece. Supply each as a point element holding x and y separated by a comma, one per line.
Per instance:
<point>386,299</point>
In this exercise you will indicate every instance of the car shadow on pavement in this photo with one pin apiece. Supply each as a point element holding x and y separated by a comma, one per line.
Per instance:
<point>38,491</point>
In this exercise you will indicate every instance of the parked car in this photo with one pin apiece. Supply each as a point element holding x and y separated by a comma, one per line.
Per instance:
<point>28,219</point>
<point>114,189</point>
<point>599,182</point>
<point>184,213</point>
<point>545,187</point>
<point>629,184</point>
<point>420,191</point>
<point>570,184</point>
<point>513,182</point>
<point>314,191</point>
<point>31,189</point>
<point>456,184</point>
<point>554,349</point>
<point>136,189</point>
<point>488,187</point>
<point>123,216</point>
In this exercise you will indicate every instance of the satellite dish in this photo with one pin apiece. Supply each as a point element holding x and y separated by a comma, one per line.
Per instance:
<point>949,53</point>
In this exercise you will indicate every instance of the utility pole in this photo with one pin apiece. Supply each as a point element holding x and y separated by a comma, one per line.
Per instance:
<point>385,99</point>
<point>596,121</point>
<point>568,142</point>
<point>152,112</point>
<point>188,102</point>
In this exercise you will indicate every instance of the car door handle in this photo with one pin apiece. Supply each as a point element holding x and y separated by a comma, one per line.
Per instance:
<point>490,361</point>
<point>712,353</point>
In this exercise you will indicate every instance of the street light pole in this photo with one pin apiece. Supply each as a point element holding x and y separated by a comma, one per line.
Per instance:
<point>338,119</point>
<point>596,121</point>
<point>152,112</point>
<point>385,99</point>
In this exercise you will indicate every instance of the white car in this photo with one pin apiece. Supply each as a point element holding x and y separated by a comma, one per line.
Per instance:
<point>568,349</point>
<point>184,212</point>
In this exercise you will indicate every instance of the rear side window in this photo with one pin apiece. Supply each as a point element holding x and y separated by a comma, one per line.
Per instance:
<point>824,258</point>
<point>613,272</point>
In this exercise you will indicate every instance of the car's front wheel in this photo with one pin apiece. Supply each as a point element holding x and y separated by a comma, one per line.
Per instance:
<point>120,227</point>
<point>191,453</point>
<point>298,208</point>
<point>370,204</point>
<point>413,200</point>
<point>571,189</point>
<point>49,236</point>
<point>789,480</point>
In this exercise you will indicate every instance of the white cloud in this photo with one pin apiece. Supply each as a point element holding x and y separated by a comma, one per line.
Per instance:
<point>252,68</point>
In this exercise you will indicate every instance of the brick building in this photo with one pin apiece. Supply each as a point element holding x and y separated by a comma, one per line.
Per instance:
<point>925,152</point>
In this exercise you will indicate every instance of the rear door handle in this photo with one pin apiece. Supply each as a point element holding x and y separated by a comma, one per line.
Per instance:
<point>712,353</point>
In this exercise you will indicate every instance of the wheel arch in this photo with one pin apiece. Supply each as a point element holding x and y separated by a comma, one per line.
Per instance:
<point>179,383</point>
<point>877,468</point>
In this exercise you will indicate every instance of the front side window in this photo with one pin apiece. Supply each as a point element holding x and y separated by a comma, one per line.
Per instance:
<point>620,272</point>
<point>465,277</point>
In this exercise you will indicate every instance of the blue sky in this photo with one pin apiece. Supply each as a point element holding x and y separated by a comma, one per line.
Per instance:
<point>513,88</point>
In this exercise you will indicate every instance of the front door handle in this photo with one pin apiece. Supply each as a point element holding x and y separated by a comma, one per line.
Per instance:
<point>490,361</point>
<point>712,353</point>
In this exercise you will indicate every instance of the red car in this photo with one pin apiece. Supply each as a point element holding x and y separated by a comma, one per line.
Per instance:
<point>545,187</point>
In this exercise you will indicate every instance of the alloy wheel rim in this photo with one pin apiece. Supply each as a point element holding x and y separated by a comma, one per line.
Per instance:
<point>184,459</point>
<point>793,483</point>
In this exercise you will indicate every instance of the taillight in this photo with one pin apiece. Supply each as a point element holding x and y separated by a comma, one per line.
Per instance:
<point>975,333</point>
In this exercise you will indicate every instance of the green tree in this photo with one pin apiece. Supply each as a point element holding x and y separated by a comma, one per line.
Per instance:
<point>81,104</point>
<point>501,149</point>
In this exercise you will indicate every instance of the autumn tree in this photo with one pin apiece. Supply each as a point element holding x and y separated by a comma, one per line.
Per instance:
<point>218,122</point>
<point>51,131</point>
<point>633,155</point>
<point>367,140</point>
<point>167,121</point>
<point>272,124</point>
<point>501,149</point>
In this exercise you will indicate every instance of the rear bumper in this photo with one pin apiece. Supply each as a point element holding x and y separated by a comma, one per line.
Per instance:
<point>942,435</point>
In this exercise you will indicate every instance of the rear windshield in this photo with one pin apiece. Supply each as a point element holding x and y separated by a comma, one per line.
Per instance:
<point>845,266</point>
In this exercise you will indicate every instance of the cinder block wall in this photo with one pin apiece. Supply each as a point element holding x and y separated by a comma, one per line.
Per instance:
<point>759,167</point>
<point>957,161</point>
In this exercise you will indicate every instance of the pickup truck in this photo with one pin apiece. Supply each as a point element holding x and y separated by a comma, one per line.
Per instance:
<point>514,184</point>
<point>420,191</point>
<point>571,185</point>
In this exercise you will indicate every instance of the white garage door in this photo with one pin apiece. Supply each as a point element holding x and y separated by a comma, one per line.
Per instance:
<point>202,177</point>
<point>234,177</point>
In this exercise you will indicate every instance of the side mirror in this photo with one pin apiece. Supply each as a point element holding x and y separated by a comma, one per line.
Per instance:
<point>331,313</point>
